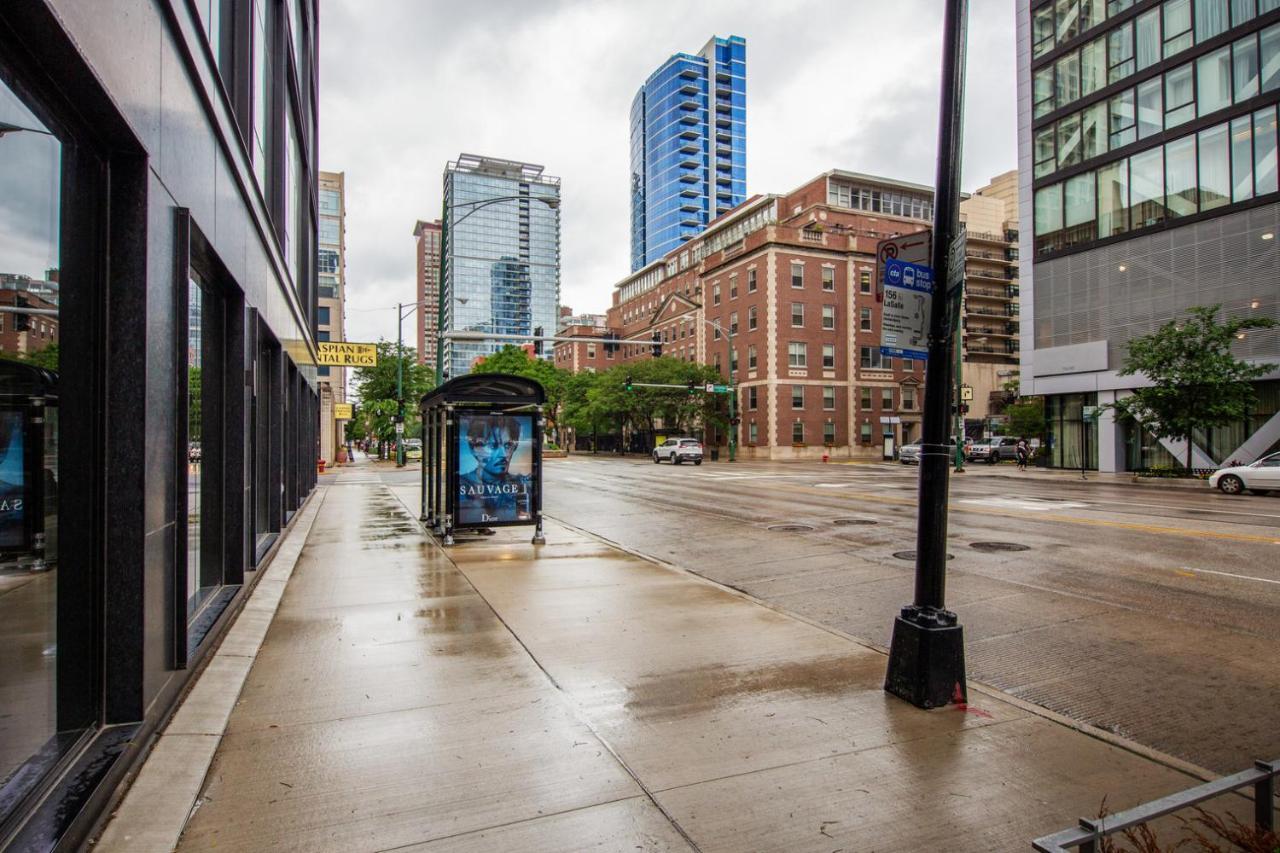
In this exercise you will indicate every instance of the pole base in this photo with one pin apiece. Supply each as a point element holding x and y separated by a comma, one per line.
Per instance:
<point>926,658</point>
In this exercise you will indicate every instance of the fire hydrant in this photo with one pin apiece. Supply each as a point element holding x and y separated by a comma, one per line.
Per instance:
<point>320,464</point>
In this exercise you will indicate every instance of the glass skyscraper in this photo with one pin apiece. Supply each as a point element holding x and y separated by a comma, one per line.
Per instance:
<point>501,255</point>
<point>688,147</point>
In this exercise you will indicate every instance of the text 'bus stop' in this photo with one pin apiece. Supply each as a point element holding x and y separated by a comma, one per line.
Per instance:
<point>482,448</point>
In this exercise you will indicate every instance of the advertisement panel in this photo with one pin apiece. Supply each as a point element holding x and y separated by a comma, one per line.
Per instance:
<point>343,354</point>
<point>495,469</point>
<point>13,519</point>
<point>342,411</point>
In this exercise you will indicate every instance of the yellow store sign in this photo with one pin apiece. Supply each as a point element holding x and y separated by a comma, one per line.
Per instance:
<point>343,354</point>
<point>342,411</point>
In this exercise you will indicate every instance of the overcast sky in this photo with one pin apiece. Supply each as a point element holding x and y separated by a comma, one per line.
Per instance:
<point>407,86</point>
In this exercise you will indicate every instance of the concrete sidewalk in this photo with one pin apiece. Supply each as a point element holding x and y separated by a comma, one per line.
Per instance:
<point>501,696</point>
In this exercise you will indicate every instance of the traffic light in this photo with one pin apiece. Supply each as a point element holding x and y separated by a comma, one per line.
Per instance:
<point>627,382</point>
<point>693,387</point>
<point>657,345</point>
<point>537,344</point>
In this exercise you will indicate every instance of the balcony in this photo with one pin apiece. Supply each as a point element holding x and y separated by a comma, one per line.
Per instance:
<point>724,180</point>
<point>688,119</point>
<point>689,192</point>
<point>689,133</point>
<point>688,89</point>
<point>723,121</point>
<point>990,293</point>
<point>992,275</point>
<point>688,148</point>
<point>689,163</point>
<point>689,178</point>
<point>689,104</point>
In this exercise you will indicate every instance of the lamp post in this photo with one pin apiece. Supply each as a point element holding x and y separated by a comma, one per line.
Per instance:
<point>733,386</point>
<point>550,201</point>
<point>412,306</point>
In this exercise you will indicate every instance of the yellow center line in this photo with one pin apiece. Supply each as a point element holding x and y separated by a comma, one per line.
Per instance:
<point>1039,516</point>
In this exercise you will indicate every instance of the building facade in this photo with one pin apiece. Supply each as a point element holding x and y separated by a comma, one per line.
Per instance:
<point>688,147</point>
<point>779,296</point>
<point>989,313</point>
<point>1148,186</point>
<point>501,248</point>
<point>331,267</point>
<point>159,404</point>
<point>427,235</point>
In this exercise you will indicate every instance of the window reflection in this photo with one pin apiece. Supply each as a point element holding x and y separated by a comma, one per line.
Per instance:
<point>30,172</point>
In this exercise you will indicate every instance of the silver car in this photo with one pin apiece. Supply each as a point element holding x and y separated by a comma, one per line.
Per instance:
<point>677,450</point>
<point>909,454</point>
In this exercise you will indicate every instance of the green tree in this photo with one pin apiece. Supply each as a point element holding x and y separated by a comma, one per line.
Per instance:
<point>46,358</point>
<point>1196,381</point>
<point>642,407</point>
<point>195,410</point>
<point>1026,418</point>
<point>515,361</point>
<point>376,386</point>
<point>583,411</point>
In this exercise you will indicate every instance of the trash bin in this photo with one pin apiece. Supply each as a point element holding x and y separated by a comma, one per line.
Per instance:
<point>715,454</point>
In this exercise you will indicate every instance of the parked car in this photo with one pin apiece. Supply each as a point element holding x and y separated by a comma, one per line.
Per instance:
<point>1001,447</point>
<point>1260,476</point>
<point>193,452</point>
<point>413,448</point>
<point>677,450</point>
<point>909,454</point>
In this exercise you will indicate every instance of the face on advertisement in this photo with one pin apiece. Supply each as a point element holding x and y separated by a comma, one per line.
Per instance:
<point>493,441</point>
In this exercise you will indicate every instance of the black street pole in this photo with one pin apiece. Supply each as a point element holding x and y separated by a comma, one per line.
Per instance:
<point>926,657</point>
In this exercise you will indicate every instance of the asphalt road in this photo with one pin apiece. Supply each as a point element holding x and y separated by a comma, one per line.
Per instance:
<point>1150,612</point>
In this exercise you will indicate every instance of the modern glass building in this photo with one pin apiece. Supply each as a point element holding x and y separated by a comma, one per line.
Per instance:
<point>1147,156</point>
<point>688,147</point>
<point>501,255</point>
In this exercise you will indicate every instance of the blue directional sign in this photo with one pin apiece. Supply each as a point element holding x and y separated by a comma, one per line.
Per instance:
<point>908,301</point>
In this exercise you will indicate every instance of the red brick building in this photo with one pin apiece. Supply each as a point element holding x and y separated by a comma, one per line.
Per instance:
<point>779,295</point>
<point>23,333</point>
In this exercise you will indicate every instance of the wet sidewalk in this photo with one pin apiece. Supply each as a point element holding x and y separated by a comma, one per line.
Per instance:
<point>501,696</point>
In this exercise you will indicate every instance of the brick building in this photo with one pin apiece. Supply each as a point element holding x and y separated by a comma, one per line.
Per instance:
<point>778,294</point>
<point>428,289</point>
<point>35,325</point>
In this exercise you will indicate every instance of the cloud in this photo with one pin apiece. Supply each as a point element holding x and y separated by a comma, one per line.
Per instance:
<point>407,86</point>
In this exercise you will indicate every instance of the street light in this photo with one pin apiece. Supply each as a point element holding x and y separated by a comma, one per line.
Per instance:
<point>552,202</point>
<point>6,128</point>
<point>400,375</point>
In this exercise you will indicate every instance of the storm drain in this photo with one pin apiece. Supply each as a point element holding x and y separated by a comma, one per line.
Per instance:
<point>790,528</point>
<point>993,547</point>
<point>850,522</point>
<point>911,555</point>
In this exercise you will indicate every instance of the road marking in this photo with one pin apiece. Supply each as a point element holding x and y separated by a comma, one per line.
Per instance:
<point>1033,504</point>
<point>1191,571</point>
<point>1184,573</point>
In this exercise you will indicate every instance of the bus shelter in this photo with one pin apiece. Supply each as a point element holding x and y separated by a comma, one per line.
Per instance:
<point>482,455</point>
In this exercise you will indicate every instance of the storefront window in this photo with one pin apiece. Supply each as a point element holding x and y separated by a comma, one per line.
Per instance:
<point>30,258</point>
<point>1070,439</point>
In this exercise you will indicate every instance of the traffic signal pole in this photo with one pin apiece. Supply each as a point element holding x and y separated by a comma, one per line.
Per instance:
<point>926,655</point>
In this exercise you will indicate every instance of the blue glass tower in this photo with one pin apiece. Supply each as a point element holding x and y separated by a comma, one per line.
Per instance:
<point>688,147</point>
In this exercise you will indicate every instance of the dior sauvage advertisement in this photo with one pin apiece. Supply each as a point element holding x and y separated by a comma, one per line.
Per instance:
<point>13,527</point>
<point>495,469</point>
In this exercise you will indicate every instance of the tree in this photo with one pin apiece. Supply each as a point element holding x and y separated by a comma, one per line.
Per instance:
<point>195,409</point>
<point>376,386</point>
<point>1026,418</point>
<point>516,361</point>
<point>1196,381</point>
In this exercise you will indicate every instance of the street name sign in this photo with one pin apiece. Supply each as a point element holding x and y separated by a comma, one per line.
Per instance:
<point>343,354</point>
<point>955,263</point>
<point>966,393</point>
<point>908,300</point>
<point>342,412</point>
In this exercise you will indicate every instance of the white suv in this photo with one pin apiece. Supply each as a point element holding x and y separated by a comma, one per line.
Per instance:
<point>679,450</point>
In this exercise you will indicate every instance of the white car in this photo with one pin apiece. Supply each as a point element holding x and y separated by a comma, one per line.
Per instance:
<point>1261,476</point>
<point>909,454</point>
<point>677,450</point>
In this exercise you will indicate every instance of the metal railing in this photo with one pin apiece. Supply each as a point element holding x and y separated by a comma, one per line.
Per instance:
<point>1088,835</point>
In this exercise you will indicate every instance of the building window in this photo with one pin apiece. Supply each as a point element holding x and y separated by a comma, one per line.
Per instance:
<point>733,323</point>
<point>322,315</point>
<point>797,354</point>
<point>715,294</point>
<point>865,432</point>
<point>797,396</point>
<point>753,399</point>
<point>715,329</point>
<point>1179,97</point>
<point>797,315</point>
<point>751,281</point>
<point>828,316</point>
<point>829,356</point>
<point>1119,53</point>
<point>864,399</point>
<point>908,399</point>
<point>753,433</point>
<point>751,319</point>
<point>864,281</point>
<point>869,358</point>
<point>797,433</point>
<point>828,278</point>
<point>886,399</point>
<point>591,350</point>
<point>751,357</point>
<point>1121,120</point>
<point>829,397</point>
<point>864,319</point>
<point>733,360</point>
<point>829,433</point>
<point>797,274</point>
<point>733,286</point>
<point>1177,26</point>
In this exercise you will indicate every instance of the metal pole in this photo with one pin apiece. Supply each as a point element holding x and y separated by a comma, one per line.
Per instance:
<point>444,230</point>
<point>400,385</point>
<point>959,346</point>
<point>926,656</point>
<point>733,427</point>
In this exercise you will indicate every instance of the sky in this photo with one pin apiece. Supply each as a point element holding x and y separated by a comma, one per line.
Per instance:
<point>407,85</point>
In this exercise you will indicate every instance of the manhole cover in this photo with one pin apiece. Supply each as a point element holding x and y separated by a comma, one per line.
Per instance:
<point>998,546</point>
<point>849,522</point>
<point>790,528</point>
<point>911,555</point>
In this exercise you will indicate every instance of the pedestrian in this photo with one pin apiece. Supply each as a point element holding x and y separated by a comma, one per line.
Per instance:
<point>1023,451</point>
